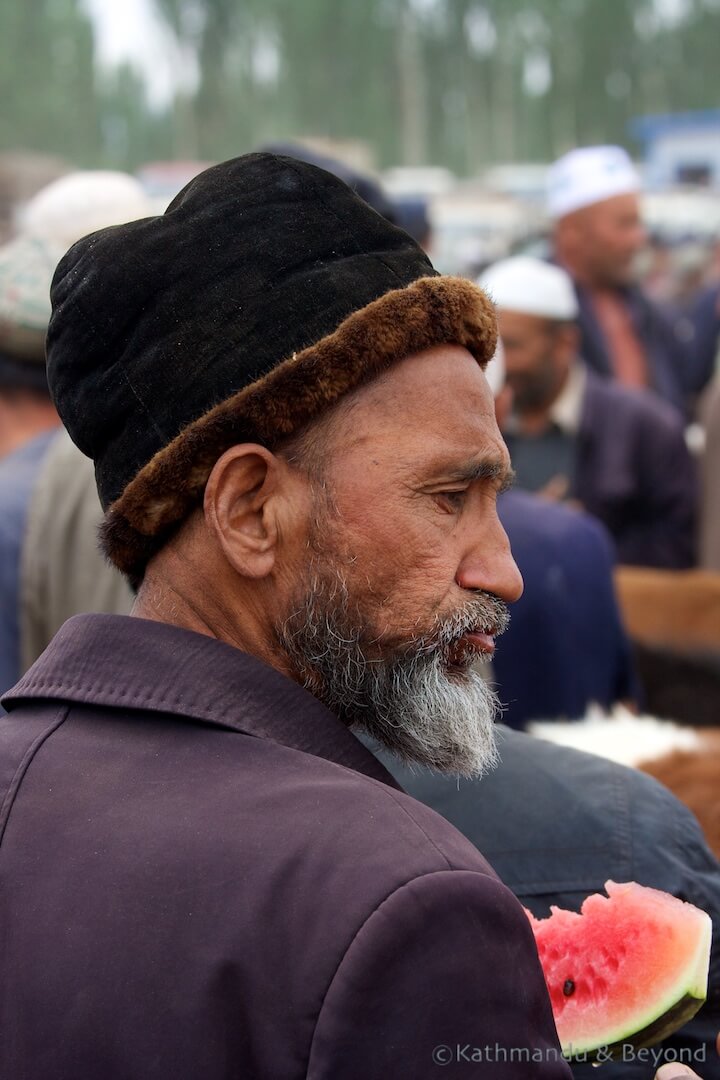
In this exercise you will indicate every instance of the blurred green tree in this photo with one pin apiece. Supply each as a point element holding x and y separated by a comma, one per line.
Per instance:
<point>462,83</point>
<point>47,79</point>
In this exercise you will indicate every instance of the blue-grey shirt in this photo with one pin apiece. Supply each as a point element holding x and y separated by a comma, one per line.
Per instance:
<point>18,471</point>
<point>556,824</point>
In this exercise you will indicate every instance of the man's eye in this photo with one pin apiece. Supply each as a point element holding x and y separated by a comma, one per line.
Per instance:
<point>454,499</point>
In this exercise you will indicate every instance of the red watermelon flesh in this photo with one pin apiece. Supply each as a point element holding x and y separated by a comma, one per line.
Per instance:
<point>630,969</point>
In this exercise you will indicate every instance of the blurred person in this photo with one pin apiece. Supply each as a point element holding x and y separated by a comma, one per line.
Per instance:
<point>41,496</point>
<point>28,418</point>
<point>305,497</point>
<point>565,648</point>
<point>580,821</point>
<point>710,504</point>
<point>83,202</point>
<point>620,453</point>
<point>367,187</point>
<point>407,212</point>
<point>411,212</point>
<point>594,203</point>
<point>63,571</point>
<point>705,316</point>
<point>657,272</point>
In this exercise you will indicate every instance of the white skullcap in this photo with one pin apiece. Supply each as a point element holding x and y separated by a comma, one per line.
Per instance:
<point>589,175</point>
<point>531,286</point>
<point>495,370</point>
<point>81,203</point>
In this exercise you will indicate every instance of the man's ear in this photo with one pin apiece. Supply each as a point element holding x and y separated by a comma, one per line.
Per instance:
<point>240,507</point>
<point>568,341</point>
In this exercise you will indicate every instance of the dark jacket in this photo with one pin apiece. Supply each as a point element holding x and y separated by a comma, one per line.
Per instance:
<point>556,824</point>
<point>704,314</point>
<point>205,875</point>
<point>670,370</point>
<point>634,472</point>
<point>565,647</point>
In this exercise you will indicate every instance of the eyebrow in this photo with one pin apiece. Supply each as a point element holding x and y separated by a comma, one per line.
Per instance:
<point>496,471</point>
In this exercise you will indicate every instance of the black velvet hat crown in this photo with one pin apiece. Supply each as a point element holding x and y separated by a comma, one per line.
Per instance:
<point>265,292</point>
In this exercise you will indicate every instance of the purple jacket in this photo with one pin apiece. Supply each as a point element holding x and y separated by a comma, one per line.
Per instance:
<point>203,873</point>
<point>634,472</point>
<point>668,356</point>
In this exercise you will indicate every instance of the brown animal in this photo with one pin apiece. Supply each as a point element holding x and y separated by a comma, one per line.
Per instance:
<point>694,777</point>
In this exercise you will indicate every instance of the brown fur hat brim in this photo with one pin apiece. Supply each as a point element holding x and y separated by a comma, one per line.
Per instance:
<point>431,311</point>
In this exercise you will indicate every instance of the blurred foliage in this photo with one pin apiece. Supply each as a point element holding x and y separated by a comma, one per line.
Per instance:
<point>462,83</point>
<point>46,68</point>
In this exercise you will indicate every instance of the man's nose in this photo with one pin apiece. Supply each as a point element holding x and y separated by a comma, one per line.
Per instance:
<point>490,567</point>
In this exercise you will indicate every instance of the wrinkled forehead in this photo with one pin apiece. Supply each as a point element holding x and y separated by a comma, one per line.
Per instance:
<point>447,377</point>
<point>431,405</point>
<point>617,208</point>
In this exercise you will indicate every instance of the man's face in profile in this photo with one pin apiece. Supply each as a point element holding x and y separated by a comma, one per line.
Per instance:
<point>407,569</point>
<point>611,236</point>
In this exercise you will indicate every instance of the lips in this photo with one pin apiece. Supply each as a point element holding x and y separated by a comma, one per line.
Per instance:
<point>482,643</point>
<point>470,647</point>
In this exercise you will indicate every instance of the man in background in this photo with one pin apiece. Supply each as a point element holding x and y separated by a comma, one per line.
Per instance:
<point>594,202</point>
<point>619,452</point>
<point>53,219</point>
<point>28,418</point>
<point>566,647</point>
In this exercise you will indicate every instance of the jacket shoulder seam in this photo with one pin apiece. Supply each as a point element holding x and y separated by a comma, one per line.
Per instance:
<point>380,903</point>
<point>24,764</point>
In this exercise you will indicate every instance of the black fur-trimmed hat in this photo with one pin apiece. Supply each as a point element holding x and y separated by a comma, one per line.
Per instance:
<point>265,292</point>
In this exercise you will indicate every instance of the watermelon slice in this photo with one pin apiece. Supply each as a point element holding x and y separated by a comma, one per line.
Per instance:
<point>629,970</point>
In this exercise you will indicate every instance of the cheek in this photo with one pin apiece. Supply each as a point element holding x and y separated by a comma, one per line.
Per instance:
<point>619,240</point>
<point>401,558</point>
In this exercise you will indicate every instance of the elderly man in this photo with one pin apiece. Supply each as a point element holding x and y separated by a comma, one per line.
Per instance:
<point>593,201</point>
<point>619,452</point>
<point>204,872</point>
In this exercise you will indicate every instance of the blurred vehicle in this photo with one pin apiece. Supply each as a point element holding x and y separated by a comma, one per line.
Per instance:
<point>472,227</point>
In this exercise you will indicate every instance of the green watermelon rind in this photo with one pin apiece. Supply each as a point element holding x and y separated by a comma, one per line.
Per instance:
<point>661,1028</point>
<point>672,1013</point>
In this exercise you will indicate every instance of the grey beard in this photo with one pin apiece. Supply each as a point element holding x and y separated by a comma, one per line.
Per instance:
<point>422,700</point>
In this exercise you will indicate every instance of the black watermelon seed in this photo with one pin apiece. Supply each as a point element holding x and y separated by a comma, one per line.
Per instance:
<point>568,987</point>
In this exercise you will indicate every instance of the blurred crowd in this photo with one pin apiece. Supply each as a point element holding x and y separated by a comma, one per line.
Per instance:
<point>607,394</point>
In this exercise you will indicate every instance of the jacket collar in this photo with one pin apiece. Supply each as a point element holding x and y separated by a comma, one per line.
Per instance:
<point>119,661</point>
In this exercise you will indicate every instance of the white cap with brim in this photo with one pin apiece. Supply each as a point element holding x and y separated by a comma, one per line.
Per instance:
<point>532,287</point>
<point>589,175</point>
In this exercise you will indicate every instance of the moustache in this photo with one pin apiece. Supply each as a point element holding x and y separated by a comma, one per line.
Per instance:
<point>484,614</point>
